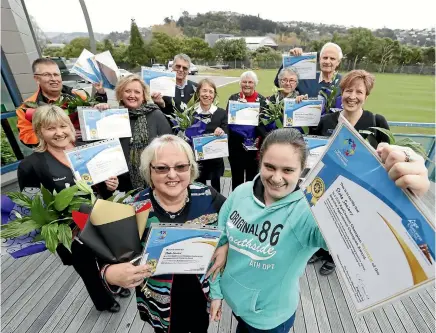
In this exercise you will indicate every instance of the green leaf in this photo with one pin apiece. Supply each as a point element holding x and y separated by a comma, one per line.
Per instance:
<point>32,105</point>
<point>64,197</point>
<point>38,212</point>
<point>279,123</point>
<point>415,146</point>
<point>49,233</point>
<point>305,129</point>
<point>65,235</point>
<point>47,197</point>
<point>38,238</point>
<point>388,133</point>
<point>20,199</point>
<point>18,228</point>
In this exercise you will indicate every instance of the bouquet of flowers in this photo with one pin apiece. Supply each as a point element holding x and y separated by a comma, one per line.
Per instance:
<point>36,219</point>
<point>332,97</point>
<point>67,102</point>
<point>271,116</point>
<point>187,123</point>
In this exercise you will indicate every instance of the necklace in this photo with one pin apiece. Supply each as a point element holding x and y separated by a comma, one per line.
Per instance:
<point>172,215</point>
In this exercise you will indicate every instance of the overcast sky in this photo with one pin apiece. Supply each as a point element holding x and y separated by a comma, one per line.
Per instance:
<point>115,15</point>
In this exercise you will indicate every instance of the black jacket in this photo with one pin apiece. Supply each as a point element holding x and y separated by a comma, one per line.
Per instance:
<point>329,122</point>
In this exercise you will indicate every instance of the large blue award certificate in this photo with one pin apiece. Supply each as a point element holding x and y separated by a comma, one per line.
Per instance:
<point>96,162</point>
<point>98,125</point>
<point>159,81</point>
<point>241,113</point>
<point>207,147</point>
<point>380,237</point>
<point>305,65</point>
<point>305,113</point>
<point>180,249</point>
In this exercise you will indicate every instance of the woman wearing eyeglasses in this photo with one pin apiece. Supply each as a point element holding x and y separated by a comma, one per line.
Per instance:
<point>185,88</point>
<point>176,303</point>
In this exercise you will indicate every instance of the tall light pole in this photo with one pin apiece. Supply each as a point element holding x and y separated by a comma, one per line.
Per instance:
<point>89,25</point>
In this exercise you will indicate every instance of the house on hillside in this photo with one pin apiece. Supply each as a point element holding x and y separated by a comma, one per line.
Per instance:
<point>253,43</point>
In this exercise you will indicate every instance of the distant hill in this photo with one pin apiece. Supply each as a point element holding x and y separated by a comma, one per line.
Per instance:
<point>63,37</point>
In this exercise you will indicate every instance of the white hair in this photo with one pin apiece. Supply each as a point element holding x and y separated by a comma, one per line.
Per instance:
<point>288,70</point>
<point>183,57</point>
<point>336,46</point>
<point>150,153</point>
<point>249,74</point>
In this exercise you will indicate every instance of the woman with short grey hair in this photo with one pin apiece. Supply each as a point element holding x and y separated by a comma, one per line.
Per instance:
<point>169,166</point>
<point>243,163</point>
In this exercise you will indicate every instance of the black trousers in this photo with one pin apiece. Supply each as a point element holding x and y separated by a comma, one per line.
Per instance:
<point>242,162</point>
<point>212,170</point>
<point>84,262</point>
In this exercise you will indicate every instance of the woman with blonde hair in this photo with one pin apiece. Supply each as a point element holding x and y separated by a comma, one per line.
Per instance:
<point>48,166</point>
<point>172,303</point>
<point>146,121</point>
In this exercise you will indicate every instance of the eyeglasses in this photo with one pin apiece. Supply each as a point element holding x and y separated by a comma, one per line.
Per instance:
<point>288,81</point>
<point>164,169</point>
<point>182,67</point>
<point>49,75</point>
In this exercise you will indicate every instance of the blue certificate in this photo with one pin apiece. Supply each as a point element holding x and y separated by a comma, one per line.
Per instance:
<point>207,147</point>
<point>159,81</point>
<point>382,241</point>
<point>316,146</point>
<point>180,250</point>
<point>241,113</point>
<point>305,113</point>
<point>96,162</point>
<point>98,125</point>
<point>305,65</point>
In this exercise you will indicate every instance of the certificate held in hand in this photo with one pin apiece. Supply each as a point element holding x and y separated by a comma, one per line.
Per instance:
<point>305,113</point>
<point>241,113</point>
<point>207,147</point>
<point>305,65</point>
<point>159,81</point>
<point>96,162</point>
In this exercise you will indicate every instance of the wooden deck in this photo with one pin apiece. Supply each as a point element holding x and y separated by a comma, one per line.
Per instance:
<point>39,294</point>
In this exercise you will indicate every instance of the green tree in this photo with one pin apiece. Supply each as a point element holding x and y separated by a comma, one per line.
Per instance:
<point>428,55</point>
<point>230,49</point>
<point>164,47</point>
<point>120,53</point>
<point>361,41</point>
<point>107,46</point>
<point>53,51</point>
<point>197,49</point>
<point>75,47</point>
<point>136,54</point>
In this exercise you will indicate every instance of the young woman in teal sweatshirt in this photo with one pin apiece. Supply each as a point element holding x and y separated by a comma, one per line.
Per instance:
<point>271,234</point>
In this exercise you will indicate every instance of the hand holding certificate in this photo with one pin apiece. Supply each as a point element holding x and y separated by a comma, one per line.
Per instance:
<point>96,162</point>
<point>304,64</point>
<point>159,81</point>
<point>383,244</point>
<point>180,249</point>
<point>305,113</point>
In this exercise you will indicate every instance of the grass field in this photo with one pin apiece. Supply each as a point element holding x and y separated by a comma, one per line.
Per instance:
<point>395,96</point>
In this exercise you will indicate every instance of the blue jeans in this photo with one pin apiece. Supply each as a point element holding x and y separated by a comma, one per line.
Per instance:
<point>285,327</point>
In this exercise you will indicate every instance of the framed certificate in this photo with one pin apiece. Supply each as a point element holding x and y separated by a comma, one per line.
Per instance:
<point>96,162</point>
<point>98,125</point>
<point>305,113</point>
<point>159,81</point>
<point>241,113</point>
<point>380,237</point>
<point>180,248</point>
<point>207,147</point>
<point>305,65</point>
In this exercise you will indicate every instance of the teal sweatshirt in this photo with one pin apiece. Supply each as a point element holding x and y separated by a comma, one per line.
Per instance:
<point>269,247</point>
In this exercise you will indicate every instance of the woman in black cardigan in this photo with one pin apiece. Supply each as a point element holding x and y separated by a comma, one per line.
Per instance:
<point>48,166</point>
<point>216,123</point>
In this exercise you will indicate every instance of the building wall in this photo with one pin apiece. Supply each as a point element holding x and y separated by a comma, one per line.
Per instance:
<point>18,45</point>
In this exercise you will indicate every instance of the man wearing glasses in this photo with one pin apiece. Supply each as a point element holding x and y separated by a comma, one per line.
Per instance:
<point>185,88</point>
<point>50,88</point>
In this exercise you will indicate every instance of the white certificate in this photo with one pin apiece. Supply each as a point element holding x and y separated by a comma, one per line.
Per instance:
<point>207,147</point>
<point>305,113</point>
<point>241,113</point>
<point>159,81</point>
<point>383,244</point>
<point>96,162</point>
<point>180,250</point>
<point>316,146</point>
<point>108,69</point>
<point>86,67</point>
<point>98,125</point>
<point>305,65</point>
